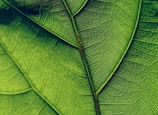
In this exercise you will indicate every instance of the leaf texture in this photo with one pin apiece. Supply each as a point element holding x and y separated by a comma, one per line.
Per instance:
<point>79,57</point>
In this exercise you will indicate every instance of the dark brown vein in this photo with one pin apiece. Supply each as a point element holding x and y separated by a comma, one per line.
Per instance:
<point>82,53</point>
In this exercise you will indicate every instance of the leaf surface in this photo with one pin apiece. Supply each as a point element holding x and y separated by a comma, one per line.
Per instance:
<point>71,57</point>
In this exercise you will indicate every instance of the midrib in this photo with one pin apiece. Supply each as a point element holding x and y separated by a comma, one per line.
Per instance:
<point>82,53</point>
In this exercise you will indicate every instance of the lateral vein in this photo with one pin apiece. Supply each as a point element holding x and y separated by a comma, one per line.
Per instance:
<point>100,89</point>
<point>26,77</point>
<point>47,30</point>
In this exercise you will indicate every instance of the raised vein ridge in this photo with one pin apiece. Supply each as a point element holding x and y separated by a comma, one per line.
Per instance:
<point>16,93</point>
<point>100,89</point>
<point>27,79</point>
<point>43,27</point>
<point>80,8</point>
<point>82,53</point>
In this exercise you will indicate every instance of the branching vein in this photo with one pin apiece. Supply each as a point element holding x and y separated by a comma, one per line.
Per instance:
<point>80,47</point>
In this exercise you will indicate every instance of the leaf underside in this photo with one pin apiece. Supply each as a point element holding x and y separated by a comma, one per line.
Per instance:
<point>79,57</point>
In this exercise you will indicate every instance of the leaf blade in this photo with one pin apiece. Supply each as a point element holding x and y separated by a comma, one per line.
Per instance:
<point>104,43</point>
<point>63,69</point>
<point>39,49</point>
<point>24,104</point>
<point>133,88</point>
<point>53,18</point>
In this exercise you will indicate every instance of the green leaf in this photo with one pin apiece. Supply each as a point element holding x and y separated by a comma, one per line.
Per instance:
<point>79,57</point>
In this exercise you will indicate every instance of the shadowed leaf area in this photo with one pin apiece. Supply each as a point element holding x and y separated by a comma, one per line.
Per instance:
<point>78,57</point>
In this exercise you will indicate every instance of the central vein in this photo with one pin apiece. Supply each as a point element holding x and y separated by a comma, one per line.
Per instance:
<point>80,47</point>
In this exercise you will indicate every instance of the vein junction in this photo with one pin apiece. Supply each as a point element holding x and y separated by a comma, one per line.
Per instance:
<point>82,53</point>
